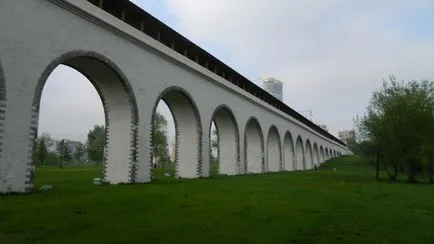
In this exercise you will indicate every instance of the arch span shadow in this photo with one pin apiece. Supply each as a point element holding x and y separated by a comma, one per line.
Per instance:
<point>288,152</point>
<point>254,147</point>
<point>274,150</point>
<point>188,131</point>
<point>299,151</point>
<point>308,155</point>
<point>2,107</point>
<point>228,140</point>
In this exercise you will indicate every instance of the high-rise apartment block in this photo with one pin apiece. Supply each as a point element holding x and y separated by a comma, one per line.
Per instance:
<point>273,86</point>
<point>323,126</point>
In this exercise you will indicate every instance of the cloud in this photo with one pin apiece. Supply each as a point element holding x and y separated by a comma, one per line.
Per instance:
<point>330,54</point>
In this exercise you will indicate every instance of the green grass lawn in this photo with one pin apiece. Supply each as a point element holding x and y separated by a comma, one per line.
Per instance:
<point>346,206</point>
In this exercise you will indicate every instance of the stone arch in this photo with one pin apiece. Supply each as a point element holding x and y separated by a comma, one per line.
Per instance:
<point>254,147</point>
<point>321,155</point>
<point>288,152</point>
<point>2,107</point>
<point>120,109</point>
<point>228,140</point>
<point>274,150</point>
<point>299,154</point>
<point>188,131</point>
<point>327,156</point>
<point>316,160</point>
<point>308,155</point>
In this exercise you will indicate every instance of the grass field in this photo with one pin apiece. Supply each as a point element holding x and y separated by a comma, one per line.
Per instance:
<point>346,206</point>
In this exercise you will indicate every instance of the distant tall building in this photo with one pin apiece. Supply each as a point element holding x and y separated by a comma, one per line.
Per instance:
<point>323,126</point>
<point>273,86</point>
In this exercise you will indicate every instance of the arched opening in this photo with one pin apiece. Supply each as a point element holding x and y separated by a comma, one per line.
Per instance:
<point>288,152</point>
<point>299,154</point>
<point>2,107</point>
<point>254,147</point>
<point>327,154</point>
<point>225,141</point>
<point>188,131</point>
<point>274,150</point>
<point>316,159</point>
<point>214,150</point>
<point>321,155</point>
<point>308,156</point>
<point>113,142</point>
<point>163,143</point>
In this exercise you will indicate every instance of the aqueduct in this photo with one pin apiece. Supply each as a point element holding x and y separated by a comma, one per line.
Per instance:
<point>134,61</point>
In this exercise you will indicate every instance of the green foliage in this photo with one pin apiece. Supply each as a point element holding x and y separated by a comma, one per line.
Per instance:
<point>63,152</point>
<point>346,206</point>
<point>160,150</point>
<point>42,152</point>
<point>52,159</point>
<point>214,146</point>
<point>214,140</point>
<point>96,143</point>
<point>49,142</point>
<point>399,125</point>
<point>79,152</point>
<point>45,155</point>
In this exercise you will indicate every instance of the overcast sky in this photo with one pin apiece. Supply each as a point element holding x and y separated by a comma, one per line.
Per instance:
<point>330,54</point>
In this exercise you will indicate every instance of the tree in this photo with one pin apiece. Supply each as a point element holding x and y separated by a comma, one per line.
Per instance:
<point>63,151</point>
<point>160,150</point>
<point>42,149</point>
<point>42,152</point>
<point>214,144</point>
<point>79,153</point>
<point>399,122</point>
<point>49,142</point>
<point>52,158</point>
<point>96,143</point>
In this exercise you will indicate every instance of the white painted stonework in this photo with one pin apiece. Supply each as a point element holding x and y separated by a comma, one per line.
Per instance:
<point>132,72</point>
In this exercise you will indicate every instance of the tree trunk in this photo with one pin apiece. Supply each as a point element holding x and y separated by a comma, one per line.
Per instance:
<point>430,168</point>
<point>378,166</point>
<point>411,176</point>
<point>414,167</point>
<point>392,175</point>
<point>395,173</point>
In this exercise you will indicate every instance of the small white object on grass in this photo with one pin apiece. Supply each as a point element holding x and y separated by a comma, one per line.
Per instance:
<point>45,187</point>
<point>166,174</point>
<point>97,181</point>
